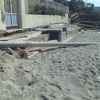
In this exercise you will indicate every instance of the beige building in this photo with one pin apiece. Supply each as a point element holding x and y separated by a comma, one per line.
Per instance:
<point>16,14</point>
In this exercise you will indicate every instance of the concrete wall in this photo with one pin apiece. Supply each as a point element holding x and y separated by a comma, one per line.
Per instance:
<point>29,20</point>
<point>2,24</point>
<point>39,20</point>
<point>32,20</point>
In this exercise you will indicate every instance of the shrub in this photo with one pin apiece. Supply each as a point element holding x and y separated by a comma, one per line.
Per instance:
<point>46,11</point>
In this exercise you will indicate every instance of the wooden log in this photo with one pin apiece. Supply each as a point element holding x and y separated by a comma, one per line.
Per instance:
<point>90,22</point>
<point>89,26</point>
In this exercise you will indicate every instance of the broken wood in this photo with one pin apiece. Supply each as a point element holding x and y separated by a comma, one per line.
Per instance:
<point>90,22</point>
<point>89,26</point>
<point>32,54</point>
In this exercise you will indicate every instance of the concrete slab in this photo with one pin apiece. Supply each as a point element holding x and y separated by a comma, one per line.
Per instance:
<point>14,30</point>
<point>21,37</point>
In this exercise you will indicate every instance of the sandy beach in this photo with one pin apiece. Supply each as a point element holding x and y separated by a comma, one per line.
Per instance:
<point>71,73</point>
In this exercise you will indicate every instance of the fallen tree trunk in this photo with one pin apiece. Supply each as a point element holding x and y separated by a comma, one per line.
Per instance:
<point>89,26</point>
<point>25,44</point>
<point>90,22</point>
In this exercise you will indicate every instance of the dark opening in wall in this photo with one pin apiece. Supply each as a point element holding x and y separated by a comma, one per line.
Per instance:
<point>53,34</point>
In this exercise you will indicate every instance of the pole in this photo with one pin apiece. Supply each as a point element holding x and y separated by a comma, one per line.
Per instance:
<point>14,44</point>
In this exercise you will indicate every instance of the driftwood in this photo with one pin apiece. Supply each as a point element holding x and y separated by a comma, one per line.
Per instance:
<point>89,26</point>
<point>89,22</point>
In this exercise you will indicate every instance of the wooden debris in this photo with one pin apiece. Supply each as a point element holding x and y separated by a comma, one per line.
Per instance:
<point>32,54</point>
<point>89,26</point>
<point>23,53</point>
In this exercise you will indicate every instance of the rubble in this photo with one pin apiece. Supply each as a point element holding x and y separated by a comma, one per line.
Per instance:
<point>9,51</point>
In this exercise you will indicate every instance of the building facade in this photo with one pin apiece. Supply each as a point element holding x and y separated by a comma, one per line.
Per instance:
<point>15,14</point>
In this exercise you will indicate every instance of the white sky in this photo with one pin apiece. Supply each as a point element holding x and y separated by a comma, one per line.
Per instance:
<point>96,2</point>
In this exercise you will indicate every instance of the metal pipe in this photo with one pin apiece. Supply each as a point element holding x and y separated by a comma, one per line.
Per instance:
<point>5,44</point>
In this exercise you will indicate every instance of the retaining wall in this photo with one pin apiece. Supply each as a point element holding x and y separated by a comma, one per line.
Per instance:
<point>39,20</point>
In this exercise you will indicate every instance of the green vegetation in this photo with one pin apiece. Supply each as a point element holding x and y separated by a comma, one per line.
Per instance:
<point>64,2</point>
<point>47,11</point>
<point>75,6</point>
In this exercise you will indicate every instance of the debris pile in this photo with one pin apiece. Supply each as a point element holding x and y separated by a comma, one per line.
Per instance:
<point>88,20</point>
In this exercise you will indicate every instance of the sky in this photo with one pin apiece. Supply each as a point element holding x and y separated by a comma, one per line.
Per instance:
<point>96,2</point>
